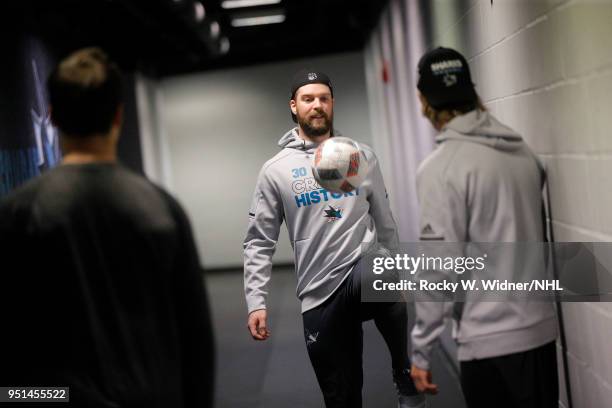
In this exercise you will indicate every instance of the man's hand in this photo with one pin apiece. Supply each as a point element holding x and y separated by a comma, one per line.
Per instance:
<point>422,380</point>
<point>257,324</point>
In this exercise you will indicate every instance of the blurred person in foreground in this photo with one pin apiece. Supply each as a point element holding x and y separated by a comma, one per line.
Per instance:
<point>102,290</point>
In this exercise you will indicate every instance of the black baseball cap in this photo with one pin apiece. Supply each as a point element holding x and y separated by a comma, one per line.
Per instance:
<point>309,76</point>
<point>445,79</point>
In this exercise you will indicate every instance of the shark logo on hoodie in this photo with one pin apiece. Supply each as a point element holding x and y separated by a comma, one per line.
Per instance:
<point>333,214</point>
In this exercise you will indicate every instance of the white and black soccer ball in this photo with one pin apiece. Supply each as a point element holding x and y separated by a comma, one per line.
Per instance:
<point>339,165</point>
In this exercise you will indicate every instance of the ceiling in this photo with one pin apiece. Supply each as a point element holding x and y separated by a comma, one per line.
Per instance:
<point>169,37</point>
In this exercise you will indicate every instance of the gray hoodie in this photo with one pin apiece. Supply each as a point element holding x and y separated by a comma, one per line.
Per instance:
<point>326,229</point>
<point>482,184</point>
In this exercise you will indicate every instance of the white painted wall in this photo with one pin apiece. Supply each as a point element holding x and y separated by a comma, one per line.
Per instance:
<point>221,126</point>
<point>560,105</point>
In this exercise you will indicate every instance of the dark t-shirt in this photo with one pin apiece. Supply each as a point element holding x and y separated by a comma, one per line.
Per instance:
<point>101,291</point>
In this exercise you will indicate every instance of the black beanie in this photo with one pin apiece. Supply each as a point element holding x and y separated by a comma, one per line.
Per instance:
<point>445,80</point>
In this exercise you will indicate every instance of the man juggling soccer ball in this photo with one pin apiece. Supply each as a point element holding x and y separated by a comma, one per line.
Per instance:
<point>326,230</point>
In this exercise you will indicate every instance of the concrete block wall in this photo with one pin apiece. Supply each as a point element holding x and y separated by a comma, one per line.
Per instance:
<point>544,67</point>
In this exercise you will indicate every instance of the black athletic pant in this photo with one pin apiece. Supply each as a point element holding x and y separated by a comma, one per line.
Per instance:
<point>334,339</point>
<point>520,380</point>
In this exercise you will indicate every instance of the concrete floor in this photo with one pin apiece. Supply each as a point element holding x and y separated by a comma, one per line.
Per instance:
<point>277,373</point>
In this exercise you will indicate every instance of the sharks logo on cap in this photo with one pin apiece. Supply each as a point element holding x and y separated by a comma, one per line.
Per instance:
<point>312,76</point>
<point>449,80</point>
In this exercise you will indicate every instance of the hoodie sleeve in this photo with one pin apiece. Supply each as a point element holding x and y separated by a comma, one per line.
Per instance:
<point>386,229</point>
<point>265,218</point>
<point>443,217</point>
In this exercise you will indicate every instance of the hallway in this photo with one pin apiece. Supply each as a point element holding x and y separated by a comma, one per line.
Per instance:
<point>277,373</point>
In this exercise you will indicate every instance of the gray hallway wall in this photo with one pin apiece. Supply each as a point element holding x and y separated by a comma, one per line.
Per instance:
<point>221,126</point>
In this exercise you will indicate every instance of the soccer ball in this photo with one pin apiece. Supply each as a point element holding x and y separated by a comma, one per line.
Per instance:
<point>339,165</point>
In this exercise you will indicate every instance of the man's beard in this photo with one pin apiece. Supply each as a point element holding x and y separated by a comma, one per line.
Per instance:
<point>314,131</point>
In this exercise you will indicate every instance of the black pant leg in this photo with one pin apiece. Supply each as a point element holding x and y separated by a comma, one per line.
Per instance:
<point>531,377</point>
<point>482,386</point>
<point>391,319</point>
<point>334,340</point>
<point>547,393</point>
<point>527,379</point>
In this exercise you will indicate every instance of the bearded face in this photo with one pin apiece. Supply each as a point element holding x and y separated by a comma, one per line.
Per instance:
<point>313,107</point>
<point>315,124</point>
